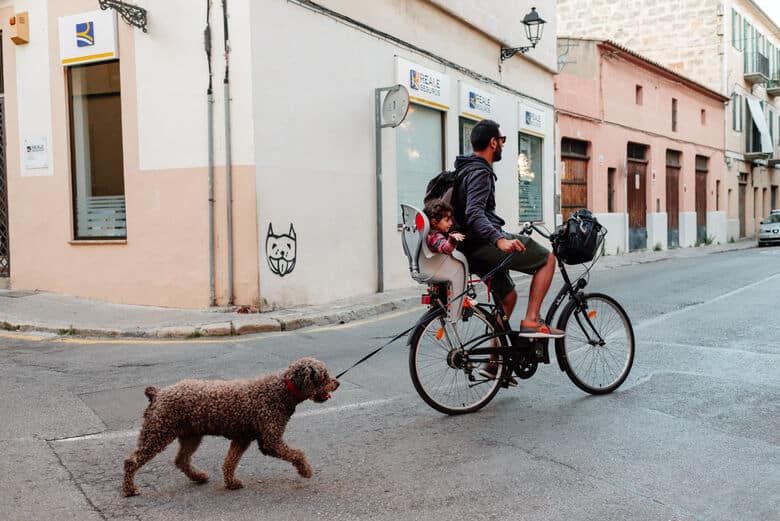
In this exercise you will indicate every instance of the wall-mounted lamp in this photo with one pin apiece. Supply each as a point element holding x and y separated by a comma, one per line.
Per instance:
<point>132,14</point>
<point>534,27</point>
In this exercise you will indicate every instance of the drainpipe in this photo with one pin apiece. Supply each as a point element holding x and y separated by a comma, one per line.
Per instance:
<point>210,102</point>
<point>228,165</point>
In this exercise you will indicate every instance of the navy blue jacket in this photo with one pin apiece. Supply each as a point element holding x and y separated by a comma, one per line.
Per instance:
<point>475,204</point>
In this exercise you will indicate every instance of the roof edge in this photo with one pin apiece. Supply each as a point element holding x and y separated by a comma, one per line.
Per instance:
<point>648,63</point>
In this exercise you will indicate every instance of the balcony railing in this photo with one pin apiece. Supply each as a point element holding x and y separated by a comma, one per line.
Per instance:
<point>756,68</point>
<point>773,85</point>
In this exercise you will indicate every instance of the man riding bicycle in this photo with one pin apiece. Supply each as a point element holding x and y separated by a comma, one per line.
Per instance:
<point>486,244</point>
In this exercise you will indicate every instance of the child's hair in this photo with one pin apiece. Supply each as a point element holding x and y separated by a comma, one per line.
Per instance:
<point>437,209</point>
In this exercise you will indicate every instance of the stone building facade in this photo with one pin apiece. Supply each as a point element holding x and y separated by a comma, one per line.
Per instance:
<point>730,46</point>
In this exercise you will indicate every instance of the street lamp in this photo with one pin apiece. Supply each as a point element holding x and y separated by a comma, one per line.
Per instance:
<point>534,27</point>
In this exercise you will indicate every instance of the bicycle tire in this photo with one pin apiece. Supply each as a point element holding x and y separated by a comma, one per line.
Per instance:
<point>429,376</point>
<point>574,350</point>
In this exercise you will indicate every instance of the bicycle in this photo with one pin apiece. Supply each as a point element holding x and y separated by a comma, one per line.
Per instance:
<point>452,341</point>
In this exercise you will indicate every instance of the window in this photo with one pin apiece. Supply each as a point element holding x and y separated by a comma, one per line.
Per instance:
<point>419,144</point>
<point>703,117</point>
<point>637,151</point>
<point>736,112</point>
<point>771,127</point>
<point>638,95</point>
<point>674,114</point>
<point>465,127</point>
<point>736,30</point>
<point>717,195</point>
<point>574,147</point>
<point>747,37</point>
<point>96,151</point>
<point>701,163</point>
<point>611,172</point>
<point>529,177</point>
<point>673,158</point>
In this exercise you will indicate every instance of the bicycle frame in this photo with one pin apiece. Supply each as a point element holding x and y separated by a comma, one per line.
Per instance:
<point>531,350</point>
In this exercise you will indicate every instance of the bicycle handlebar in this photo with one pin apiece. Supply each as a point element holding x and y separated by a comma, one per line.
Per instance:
<point>529,228</point>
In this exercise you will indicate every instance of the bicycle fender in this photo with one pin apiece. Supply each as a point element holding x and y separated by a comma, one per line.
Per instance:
<point>426,317</point>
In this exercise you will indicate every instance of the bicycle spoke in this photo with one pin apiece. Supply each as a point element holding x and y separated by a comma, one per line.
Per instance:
<point>601,367</point>
<point>446,376</point>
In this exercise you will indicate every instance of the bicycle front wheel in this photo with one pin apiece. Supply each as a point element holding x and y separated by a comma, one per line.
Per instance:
<point>598,349</point>
<point>445,373</point>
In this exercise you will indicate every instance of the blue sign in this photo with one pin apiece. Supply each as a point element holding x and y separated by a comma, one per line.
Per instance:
<point>85,34</point>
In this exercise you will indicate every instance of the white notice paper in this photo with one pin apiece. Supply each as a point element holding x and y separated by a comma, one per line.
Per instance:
<point>36,153</point>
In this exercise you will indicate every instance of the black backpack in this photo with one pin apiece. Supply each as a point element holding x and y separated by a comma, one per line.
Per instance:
<point>444,187</point>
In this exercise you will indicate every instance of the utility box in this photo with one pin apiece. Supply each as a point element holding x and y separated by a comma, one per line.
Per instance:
<point>20,28</point>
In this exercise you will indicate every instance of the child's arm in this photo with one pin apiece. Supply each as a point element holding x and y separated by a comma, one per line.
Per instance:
<point>441,244</point>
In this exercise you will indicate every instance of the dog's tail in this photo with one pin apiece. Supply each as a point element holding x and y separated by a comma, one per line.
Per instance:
<point>151,393</point>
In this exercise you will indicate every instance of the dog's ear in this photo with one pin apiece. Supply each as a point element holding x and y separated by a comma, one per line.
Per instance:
<point>307,374</point>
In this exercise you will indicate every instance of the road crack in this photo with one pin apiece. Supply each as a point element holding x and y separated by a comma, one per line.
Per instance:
<point>72,478</point>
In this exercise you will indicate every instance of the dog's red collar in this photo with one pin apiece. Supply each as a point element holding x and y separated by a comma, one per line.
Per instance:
<point>293,390</point>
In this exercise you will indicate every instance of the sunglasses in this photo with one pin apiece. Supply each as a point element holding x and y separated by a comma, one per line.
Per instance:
<point>501,139</point>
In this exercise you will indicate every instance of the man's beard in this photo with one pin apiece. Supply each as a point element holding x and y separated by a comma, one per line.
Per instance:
<point>497,154</point>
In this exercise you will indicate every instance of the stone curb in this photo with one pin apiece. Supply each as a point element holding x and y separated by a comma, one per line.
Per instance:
<point>336,313</point>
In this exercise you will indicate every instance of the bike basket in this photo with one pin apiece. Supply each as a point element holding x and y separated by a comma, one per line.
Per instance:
<point>580,238</point>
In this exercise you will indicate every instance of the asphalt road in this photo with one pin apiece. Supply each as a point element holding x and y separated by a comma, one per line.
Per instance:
<point>694,433</point>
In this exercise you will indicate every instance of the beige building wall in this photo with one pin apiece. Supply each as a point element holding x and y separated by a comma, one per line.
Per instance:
<point>303,77</point>
<point>164,259</point>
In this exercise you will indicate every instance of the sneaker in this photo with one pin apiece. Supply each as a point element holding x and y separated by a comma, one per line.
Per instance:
<point>489,372</point>
<point>539,330</point>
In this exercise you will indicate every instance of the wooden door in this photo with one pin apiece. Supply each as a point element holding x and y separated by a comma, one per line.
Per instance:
<point>574,185</point>
<point>673,206</point>
<point>742,197</point>
<point>637,205</point>
<point>701,206</point>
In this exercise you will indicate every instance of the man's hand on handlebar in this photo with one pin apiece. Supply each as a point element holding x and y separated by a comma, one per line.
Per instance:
<point>509,246</point>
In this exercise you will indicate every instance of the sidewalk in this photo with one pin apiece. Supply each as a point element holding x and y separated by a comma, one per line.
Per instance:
<point>64,315</point>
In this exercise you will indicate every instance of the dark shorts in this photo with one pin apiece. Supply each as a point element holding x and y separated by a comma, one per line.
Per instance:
<point>485,258</point>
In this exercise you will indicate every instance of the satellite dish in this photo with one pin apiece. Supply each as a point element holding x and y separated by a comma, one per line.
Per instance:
<point>395,106</point>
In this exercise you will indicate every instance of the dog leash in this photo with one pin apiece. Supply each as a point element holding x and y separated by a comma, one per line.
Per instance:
<point>375,351</point>
<point>401,334</point>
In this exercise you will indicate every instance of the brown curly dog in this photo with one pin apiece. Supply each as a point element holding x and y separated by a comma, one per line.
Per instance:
<point>240,410</point>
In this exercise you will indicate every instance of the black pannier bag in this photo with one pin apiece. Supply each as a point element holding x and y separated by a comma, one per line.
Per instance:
<point>580,238</point>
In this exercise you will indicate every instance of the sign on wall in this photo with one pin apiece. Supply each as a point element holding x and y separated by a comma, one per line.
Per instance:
<point>88,37</point>
<point>475,103</point>
<point>531,119</point>
<point>36,152</point>
<point>425,86</point>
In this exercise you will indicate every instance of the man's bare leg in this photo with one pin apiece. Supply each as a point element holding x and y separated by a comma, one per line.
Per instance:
<point>540,284</point>
<point>509,302</point>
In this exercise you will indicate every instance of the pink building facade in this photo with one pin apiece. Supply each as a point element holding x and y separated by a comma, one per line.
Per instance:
<point>640,146</point>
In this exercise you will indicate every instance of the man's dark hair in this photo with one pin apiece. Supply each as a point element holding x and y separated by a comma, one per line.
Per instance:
<point>482,133</point>
<point>437,209</point>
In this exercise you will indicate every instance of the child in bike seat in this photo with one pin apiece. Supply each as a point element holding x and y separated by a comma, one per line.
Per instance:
<point>440,240</point>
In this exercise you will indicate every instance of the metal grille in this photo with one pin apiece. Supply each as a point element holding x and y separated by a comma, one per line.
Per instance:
<point>5,253</point>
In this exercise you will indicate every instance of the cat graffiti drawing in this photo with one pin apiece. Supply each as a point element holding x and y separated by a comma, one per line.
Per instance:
<point>280,251</point>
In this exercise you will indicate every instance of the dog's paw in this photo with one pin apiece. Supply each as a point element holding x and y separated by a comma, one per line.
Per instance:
<point>131,491</point>
<point>199,477</point>
<point>304,469</point>
<point>234,484</point>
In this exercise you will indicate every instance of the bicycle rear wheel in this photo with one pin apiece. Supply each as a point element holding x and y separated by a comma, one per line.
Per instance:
<point>598,349</point>
<point>444,372</point>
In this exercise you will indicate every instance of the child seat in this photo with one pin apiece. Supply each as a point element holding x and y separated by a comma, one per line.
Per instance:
<point>427,267</point>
